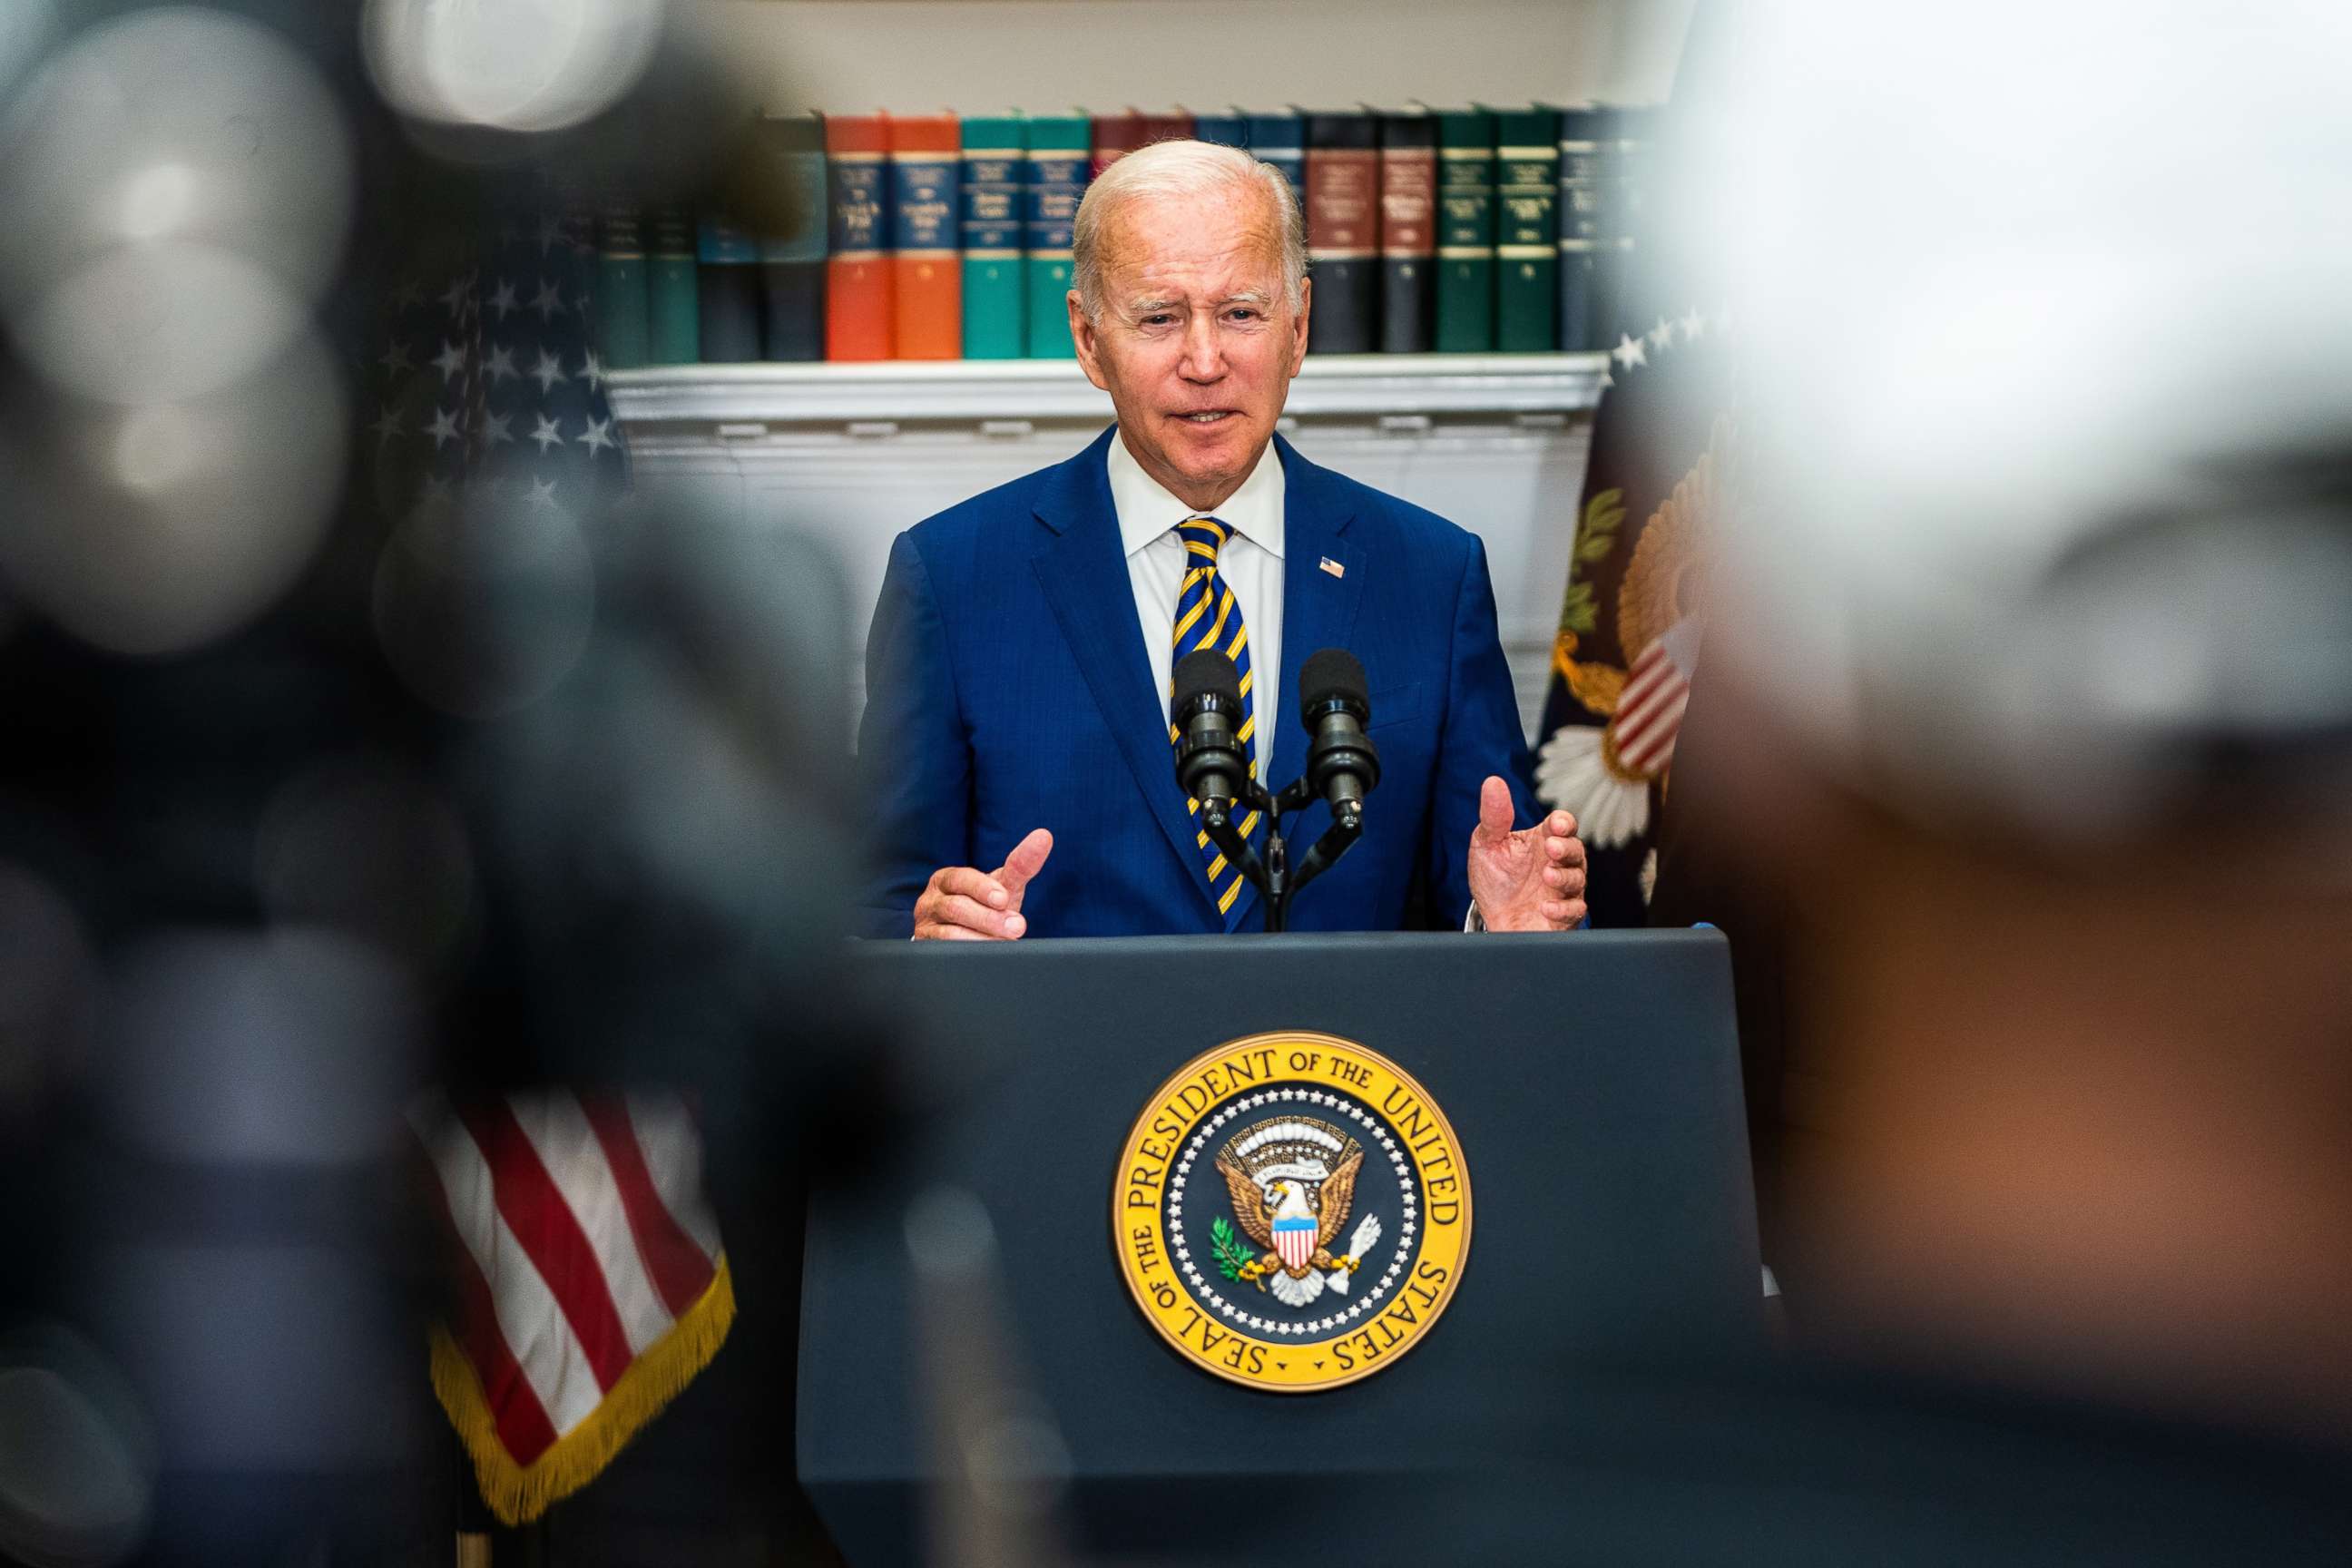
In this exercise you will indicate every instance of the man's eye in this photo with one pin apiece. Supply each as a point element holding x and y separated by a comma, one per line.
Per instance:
<point>1243,313</point>
<point>1158,319</point>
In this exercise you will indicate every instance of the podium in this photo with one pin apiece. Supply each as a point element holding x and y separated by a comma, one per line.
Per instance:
<point>973,1291</point>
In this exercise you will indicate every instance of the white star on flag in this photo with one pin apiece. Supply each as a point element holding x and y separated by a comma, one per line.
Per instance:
<point>1661,335</point>
<point>500,413</point>
<point>1629,352</point>
<point>1694,325</point>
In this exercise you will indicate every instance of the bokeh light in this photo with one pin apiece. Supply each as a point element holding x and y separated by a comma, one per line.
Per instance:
<point>162,526</point>
<point>482,605</point>
<point>523,65</point>
<point>175,125</point>
<point>77,1459</point>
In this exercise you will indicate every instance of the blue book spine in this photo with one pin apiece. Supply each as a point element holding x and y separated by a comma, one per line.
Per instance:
<point>1281,139</point>
<point>726,277</point>
<point>791,261</point>
<point>1224,130</point>
<point>1060,151</point>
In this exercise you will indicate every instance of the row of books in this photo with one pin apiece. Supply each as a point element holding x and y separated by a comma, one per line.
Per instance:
<point>939,237</point>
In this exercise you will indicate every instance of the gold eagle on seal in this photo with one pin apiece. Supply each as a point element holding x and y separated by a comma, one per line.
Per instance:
<point>1292,1183</point>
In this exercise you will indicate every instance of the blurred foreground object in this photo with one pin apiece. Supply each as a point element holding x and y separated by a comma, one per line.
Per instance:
<point>592,1286</point>
<point>2027,713</point>
<point>173,462</point>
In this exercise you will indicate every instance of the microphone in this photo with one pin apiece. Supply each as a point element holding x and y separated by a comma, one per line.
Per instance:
<point>1211,764</point>
<point>1342,765</point>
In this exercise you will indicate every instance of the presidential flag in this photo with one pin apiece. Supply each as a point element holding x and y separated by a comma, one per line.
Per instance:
<point>1665,464</point>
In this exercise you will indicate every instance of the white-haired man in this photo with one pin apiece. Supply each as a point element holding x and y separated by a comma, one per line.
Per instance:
<point>1018,670</point>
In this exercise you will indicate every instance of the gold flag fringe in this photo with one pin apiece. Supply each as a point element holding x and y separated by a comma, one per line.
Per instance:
<point>520,1493</point>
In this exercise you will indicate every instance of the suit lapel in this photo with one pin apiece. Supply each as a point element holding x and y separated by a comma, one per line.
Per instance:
<point>1083,570</point>
<point>1319,606</point>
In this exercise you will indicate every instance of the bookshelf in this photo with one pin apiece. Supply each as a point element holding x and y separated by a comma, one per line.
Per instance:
<point>677,401</point>
<point>855,453</point>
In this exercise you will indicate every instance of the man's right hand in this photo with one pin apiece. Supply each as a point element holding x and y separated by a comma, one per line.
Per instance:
<point>962,904</point>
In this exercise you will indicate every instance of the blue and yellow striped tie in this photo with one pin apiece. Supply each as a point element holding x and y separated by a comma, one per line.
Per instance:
<point>1208,616</point>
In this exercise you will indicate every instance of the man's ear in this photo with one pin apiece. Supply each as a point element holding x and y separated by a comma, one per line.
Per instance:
<point>1082,335</point>
<point>1305,304</point>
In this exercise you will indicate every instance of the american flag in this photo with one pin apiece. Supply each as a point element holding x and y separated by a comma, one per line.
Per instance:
<point>591,1285</point>
<point>485,378</point>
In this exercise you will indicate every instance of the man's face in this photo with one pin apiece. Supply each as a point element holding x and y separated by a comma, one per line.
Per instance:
<point>1197,344</point>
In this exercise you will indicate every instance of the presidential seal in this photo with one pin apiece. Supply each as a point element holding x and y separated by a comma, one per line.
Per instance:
<point>1292,1212</point>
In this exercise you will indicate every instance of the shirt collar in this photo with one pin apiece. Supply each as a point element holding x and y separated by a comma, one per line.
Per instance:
<point>1147,510</point>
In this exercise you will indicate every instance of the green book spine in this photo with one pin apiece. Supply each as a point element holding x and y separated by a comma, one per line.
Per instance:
<point>1465,231</point>
<point>1061,149</point>
<point>1526,248</point>
<point>672,310</point>
<point>996,169</point>
<point>621,325</point>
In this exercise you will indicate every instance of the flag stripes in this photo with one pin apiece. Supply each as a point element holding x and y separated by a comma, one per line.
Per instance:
<point>1650,710</point>
<point>591,1285</point>
<point>534,1210</point>
<point>676,1262</point>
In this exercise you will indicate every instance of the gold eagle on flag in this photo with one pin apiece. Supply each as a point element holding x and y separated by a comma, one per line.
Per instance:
<point>1603,775</point>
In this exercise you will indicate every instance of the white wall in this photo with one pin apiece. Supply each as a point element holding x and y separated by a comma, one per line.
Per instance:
<point>975,56</point>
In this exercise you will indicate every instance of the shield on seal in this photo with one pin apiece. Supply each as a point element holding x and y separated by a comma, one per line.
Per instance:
<point>1295,1239</point>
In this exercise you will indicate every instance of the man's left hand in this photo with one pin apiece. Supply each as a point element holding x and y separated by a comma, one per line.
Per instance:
<point>1532,880</point>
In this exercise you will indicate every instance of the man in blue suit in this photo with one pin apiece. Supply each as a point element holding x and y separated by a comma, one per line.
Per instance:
<point>1018,670</point>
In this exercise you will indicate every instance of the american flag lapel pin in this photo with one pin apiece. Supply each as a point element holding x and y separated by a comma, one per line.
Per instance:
<point>1333,567</point>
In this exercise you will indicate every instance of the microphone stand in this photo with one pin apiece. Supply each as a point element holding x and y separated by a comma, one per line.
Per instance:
<point>1273,875</point>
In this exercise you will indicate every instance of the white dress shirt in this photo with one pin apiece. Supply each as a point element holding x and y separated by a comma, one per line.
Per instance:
<point>1250,562</point>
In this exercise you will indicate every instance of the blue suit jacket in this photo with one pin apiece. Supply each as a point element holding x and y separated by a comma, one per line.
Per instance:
<point>1007,689</point>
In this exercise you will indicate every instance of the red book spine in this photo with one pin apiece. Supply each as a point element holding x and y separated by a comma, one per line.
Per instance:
<point>1175,126</point>
<point>857,311</point>
<point>926,267</point>
<point>1116,136</point>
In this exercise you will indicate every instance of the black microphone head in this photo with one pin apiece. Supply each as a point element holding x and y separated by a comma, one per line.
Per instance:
<point>1329,677</point>
<point>1206,672</point>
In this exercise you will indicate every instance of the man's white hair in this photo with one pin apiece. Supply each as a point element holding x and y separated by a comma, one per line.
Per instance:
<point>1183,171</point>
